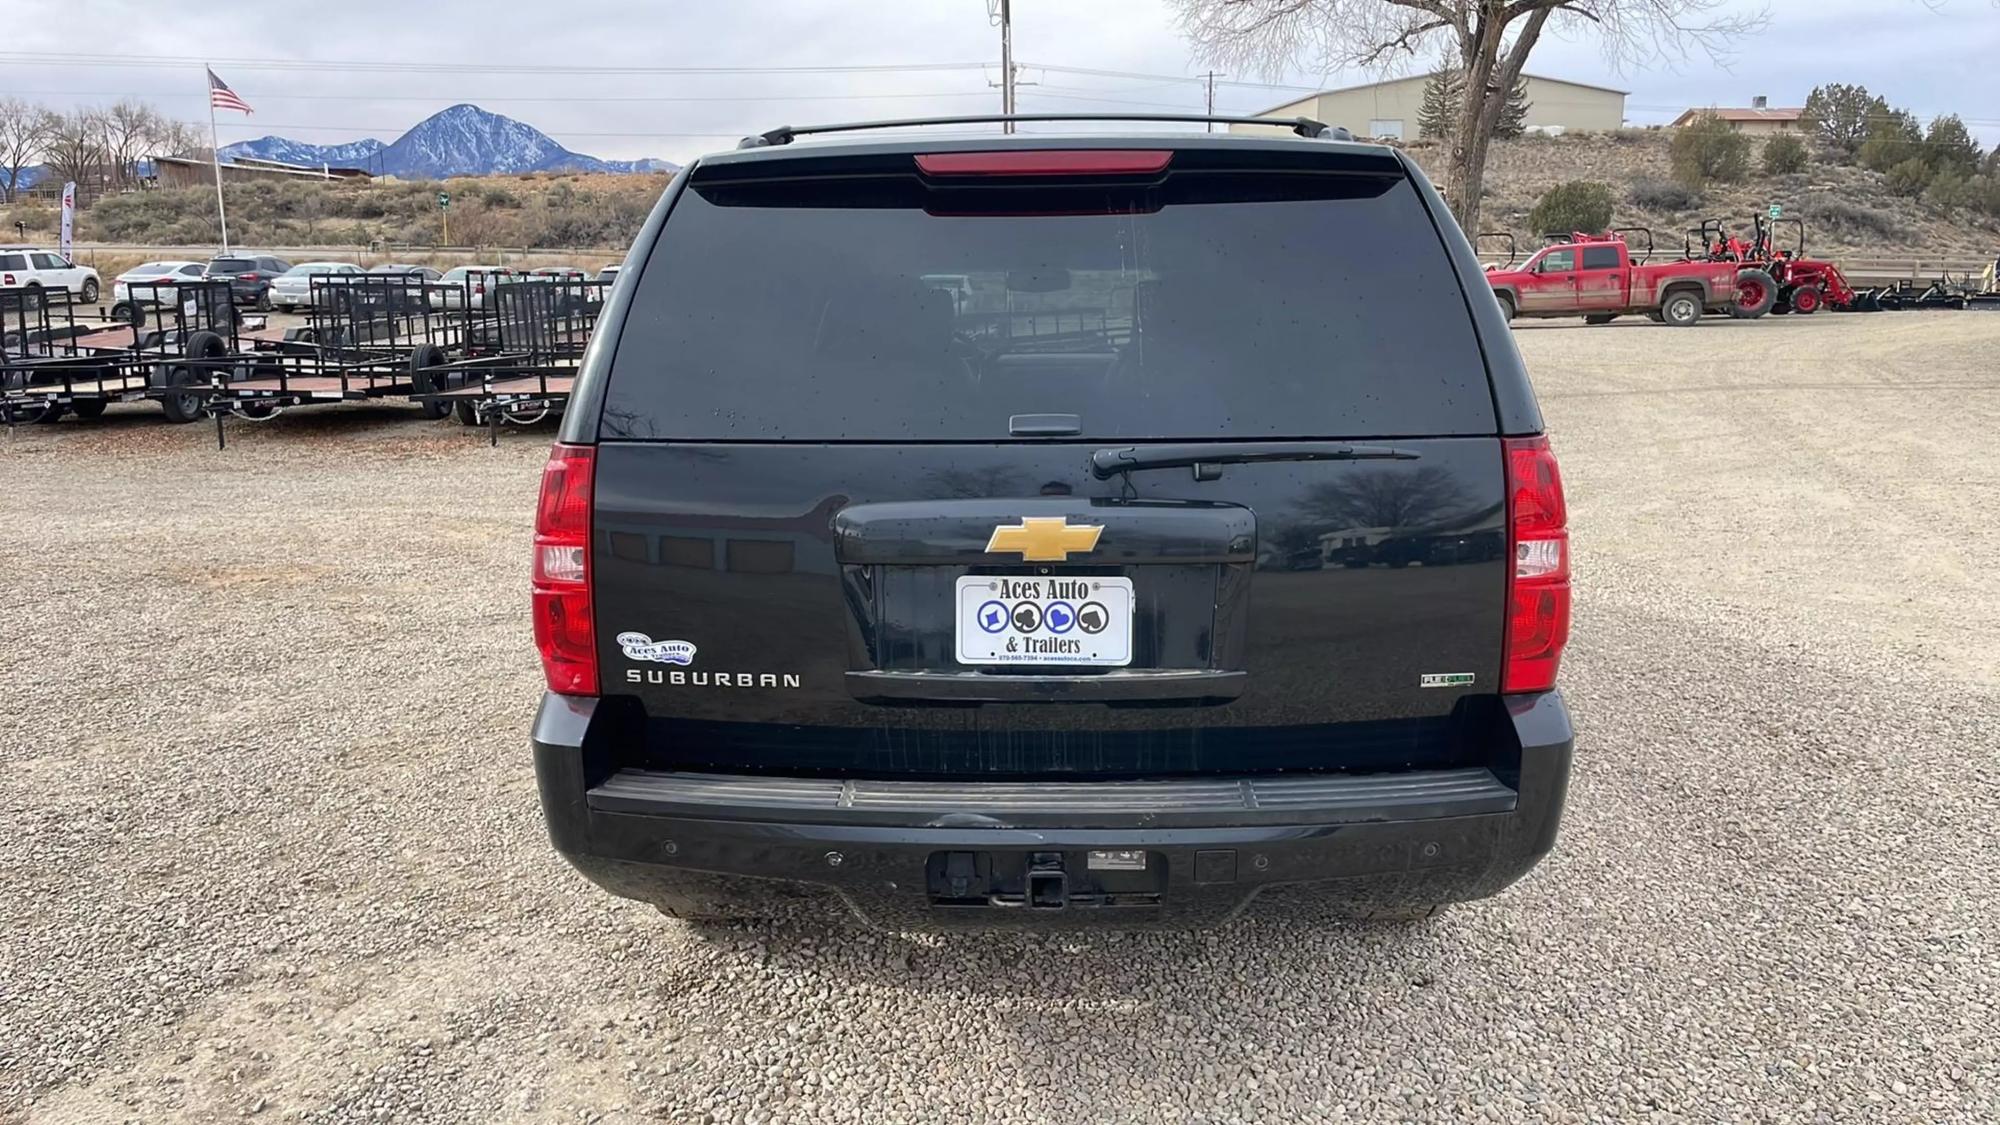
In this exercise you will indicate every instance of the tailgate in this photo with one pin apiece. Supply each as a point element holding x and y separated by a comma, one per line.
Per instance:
<point>853,507</point>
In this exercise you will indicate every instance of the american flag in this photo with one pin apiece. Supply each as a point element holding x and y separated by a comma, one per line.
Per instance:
<point>220,96</point>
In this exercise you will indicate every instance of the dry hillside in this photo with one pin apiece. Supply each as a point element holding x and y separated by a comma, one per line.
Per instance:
<point>1847,209</point>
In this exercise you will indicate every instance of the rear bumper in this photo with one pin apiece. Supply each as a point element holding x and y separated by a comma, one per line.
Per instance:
<point>932,855</point>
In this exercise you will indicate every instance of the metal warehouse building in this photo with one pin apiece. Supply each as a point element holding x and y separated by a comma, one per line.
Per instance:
<point>1389,108</point>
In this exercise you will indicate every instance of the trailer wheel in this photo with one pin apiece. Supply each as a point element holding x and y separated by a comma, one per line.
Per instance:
<point>1599,318</point>
<point>127,312</point>
<point>89,407</point>
<point>1806,300</point>
<point>424,357</point>
<point>467,416</point>
<point>1681,309</point>
<point>1756,292</point>
<point>185,407</point>
<point>205,345</point>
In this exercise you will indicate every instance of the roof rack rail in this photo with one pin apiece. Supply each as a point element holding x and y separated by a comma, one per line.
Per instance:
<point>1303,126</point>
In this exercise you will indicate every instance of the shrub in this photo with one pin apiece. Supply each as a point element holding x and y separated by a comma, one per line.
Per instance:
<point>1909,177</point>
<point>36,216</point>
<point>1845,217</point>
<point>1785,154</point>
<point>1662,195</point>
<point>1576,205</point>
<point>499,197</point>
<point>1950,191</point>
<point>1709,151</point>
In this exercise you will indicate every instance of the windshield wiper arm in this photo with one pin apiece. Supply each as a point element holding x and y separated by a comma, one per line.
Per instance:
<point>1111,461</point>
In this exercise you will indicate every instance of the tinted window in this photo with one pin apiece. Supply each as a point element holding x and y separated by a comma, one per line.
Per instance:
<point>232,265</point>
<point>13,261</point>
<point>191,271</point>
<point>1559,261</point>
<point>1600,257</point>
<point>50,262</point>
<point>1212,305</point>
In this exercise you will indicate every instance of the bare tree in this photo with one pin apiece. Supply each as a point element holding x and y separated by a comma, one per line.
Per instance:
<point>177,138</point>
<point>1493,39</point>
<point>128,131</point>
<point>24,128</point>
<point>75,151</point>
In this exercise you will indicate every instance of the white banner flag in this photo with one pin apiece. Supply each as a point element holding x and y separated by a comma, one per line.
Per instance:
<point>68,219</point>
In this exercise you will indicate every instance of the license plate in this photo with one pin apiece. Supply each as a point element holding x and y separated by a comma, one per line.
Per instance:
<point>1003,619</point>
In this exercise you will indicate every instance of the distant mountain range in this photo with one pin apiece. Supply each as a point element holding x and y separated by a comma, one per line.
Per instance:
<point>464,140</point>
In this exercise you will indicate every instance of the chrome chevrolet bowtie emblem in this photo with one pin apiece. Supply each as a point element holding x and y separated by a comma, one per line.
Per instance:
<point>1044,540</point>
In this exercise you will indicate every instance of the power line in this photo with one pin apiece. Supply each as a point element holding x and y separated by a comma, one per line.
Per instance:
<point>263,97</point>
<point>172,62</point>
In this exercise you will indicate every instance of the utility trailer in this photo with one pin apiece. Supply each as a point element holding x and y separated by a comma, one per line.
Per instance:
<point>51,365</point>
<point>526,344</point>
<point>369,336</point>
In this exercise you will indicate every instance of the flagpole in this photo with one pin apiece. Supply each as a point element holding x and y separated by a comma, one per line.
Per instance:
<point>215,158</point>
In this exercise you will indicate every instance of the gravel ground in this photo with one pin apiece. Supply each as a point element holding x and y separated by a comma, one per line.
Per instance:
<point>272,848</point>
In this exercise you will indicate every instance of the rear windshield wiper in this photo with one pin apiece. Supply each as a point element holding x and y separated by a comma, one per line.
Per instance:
<point>1109,462</point>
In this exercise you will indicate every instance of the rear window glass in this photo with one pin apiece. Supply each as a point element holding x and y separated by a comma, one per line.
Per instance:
<point>231,265</point>
<point>1211,305</point>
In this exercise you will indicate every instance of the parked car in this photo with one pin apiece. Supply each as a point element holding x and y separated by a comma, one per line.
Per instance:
<point>1594,277</point>
<point>608,274</point>
<point>463,285</point>
<point>154,279</point>
<point>294,288</point>
<point>250,276</point>
<point>425,273</point>
<point>32,267</point>
<point>1009,611</point>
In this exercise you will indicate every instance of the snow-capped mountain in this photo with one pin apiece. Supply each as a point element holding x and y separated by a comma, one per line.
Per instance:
<point>353,154</point>
<point>461,141</point>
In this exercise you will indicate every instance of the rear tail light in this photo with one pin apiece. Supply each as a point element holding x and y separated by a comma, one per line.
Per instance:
<point>564,631</point>
<point>246,277</point>
<point>479,289</point>
<point>1538,585</point>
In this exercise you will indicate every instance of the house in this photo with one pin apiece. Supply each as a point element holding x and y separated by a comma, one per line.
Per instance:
<point>1757,119</point>
<point>1388,109</point>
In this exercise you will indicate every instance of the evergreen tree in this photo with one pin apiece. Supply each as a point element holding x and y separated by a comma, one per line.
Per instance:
<point>1949,147</point>
<point>1438,115</point>
<point>1514,115</point>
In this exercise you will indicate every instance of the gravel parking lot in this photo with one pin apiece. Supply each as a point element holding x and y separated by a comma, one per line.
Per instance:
<point>272,848</point>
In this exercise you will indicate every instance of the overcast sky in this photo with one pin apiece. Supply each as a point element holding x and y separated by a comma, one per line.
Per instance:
<point>1934,57</point>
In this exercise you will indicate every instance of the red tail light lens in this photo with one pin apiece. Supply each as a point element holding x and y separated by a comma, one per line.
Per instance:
<point>1538,585</point>
<point>1045,162</point>
<point>246,277</point>
<point>564,631</point>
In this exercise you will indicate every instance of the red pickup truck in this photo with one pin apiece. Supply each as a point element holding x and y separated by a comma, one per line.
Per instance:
<point>1594,277</point>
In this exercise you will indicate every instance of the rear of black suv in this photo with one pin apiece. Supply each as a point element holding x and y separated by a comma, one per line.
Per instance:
<point>1051,531</point>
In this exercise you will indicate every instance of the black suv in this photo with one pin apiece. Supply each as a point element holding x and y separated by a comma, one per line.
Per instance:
<point>1052,530</point>
<point>250,276</point>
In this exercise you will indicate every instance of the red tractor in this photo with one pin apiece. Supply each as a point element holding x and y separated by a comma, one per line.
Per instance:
<point>1782,279</point>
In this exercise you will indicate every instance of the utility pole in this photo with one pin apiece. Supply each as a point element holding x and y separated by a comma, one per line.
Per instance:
<point>1005,17</point>
<point>1211,76</point>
